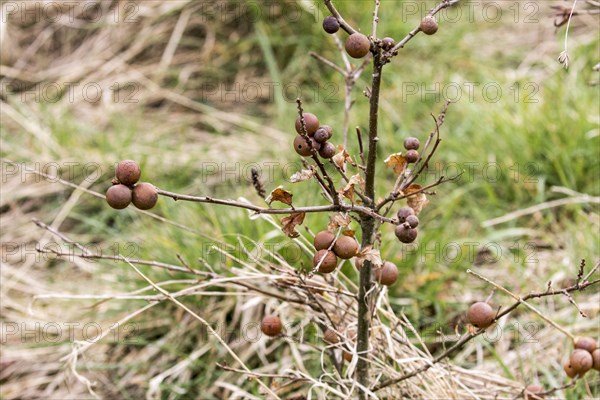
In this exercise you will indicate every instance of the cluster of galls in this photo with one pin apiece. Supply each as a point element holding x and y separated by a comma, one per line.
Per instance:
<point>329,249</point>
<point>318,137</point>
<point>406,231</point>
<point>345,247</point>
<point>358,45</point>
<point>126,190</point>
<point>584,357</point>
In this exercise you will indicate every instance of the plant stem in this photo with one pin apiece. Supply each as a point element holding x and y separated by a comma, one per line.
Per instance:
<point>361,210</point>
<point>368,237</point>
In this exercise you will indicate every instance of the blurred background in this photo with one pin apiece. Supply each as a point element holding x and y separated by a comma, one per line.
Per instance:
<point>199,93</point>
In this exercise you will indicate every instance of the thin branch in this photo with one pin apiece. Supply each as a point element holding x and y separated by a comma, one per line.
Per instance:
<point>315,155</point>
<point>589,274</point>
<point>87,256</point>
<point>203,321</point>
<point>519,299</point>
<point>390,53</point>
<point>280,211</point>
<point>360,146</point>
<point>405,181</point>
<point>325,61</point>
<point>375,18</point>
<point>439,121</point>
<point>470,336</point>
<point>343,24</point>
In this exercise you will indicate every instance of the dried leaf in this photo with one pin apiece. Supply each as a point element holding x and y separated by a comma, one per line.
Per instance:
<point>338,220</point>
<point>397,162</point>
<point>412,188</point>
<point>341,158</point>
<point>348,190</point>
<point>349,232</point>
<point>289,223</point>
<point>371,254</point>
<point>281,195</point>
<point>417,201</point>
<point>303,175</point>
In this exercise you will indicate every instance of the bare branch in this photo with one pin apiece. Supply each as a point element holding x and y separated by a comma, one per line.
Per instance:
<point>390,53</point>
<point>470,336</point>
<point>343,24</point>
<point>280,211</point>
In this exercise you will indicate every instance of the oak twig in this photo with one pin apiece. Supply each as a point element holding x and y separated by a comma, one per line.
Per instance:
<point>470,336</point>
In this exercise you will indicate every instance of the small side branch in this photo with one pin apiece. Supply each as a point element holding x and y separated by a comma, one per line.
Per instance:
<point>390,53</point>
<point>343,24</point>
<point>279,211</point>
<point>471,335</point>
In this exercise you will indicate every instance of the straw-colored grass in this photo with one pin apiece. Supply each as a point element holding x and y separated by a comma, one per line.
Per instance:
<point>162,58</point>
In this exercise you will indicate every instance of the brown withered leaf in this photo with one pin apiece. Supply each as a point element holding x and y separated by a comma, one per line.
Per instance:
<point>397,162</point>
<point>417,201</point>
<point>339,220</point>
<point>348,232</point>
<point>289,223</point>
<point>341,158</point>
<point>371,254</point>
<point>303,175</point>
<point>281,195</point>
<point>348,190</point>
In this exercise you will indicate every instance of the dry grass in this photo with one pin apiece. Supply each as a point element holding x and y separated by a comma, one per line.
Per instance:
<point>171,355</point>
